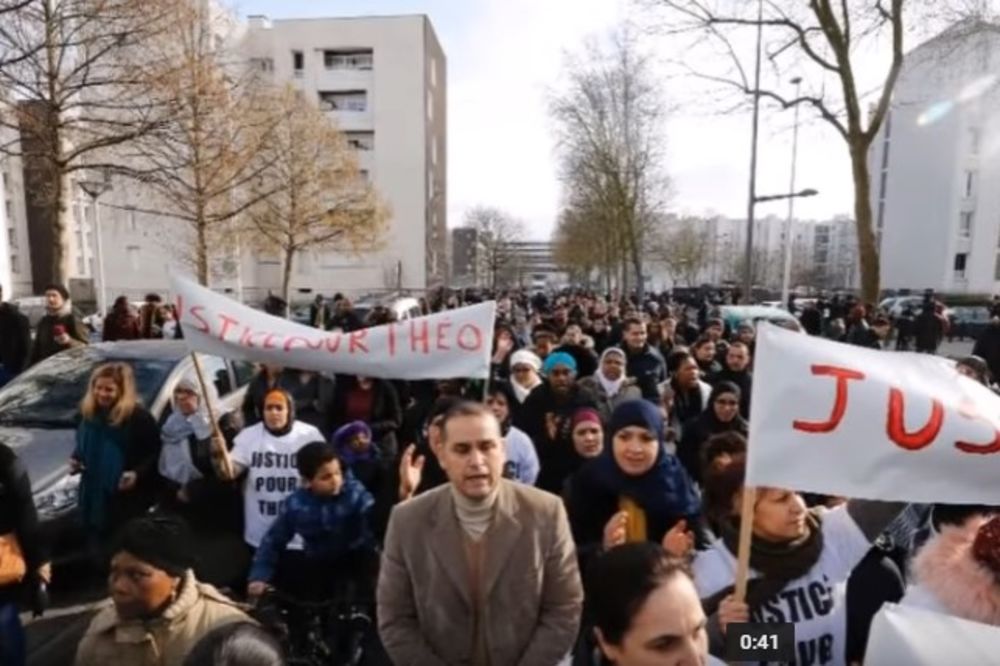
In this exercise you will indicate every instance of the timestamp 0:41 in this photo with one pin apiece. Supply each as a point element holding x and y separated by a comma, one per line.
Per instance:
<point>757,641</point>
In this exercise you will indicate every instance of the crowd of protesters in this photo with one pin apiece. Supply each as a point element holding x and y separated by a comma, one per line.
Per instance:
<point>582,506</point>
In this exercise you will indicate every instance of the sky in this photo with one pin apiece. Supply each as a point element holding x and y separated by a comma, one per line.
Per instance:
<point>505,57</point>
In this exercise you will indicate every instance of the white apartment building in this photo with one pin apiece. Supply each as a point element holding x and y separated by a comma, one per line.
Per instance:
<point>384,81</point>
<point>935,163</point>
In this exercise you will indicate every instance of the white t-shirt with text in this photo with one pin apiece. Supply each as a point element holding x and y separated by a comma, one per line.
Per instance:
<point>816,603</point>
<point>271,475</point>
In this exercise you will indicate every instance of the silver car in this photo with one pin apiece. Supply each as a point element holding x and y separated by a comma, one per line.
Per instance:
<point>39,412</point>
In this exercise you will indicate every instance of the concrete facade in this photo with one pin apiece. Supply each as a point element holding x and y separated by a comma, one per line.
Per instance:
<point>937,217</point>
<point>384,81</point>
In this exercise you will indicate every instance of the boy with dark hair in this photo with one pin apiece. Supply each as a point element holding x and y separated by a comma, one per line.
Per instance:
<point>331,511</point>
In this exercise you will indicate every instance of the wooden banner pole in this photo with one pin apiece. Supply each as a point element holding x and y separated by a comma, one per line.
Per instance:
<point>221,451</point>
<point>746,534</point>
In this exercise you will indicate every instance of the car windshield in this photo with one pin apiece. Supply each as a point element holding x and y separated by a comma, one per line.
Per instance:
<point>49,394</point>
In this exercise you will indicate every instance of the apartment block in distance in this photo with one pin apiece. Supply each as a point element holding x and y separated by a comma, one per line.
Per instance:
<point>383,80</point>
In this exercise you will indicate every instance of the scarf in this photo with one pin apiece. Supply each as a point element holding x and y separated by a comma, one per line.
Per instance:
<point>474,516</point>
<point>522,392</point>
<point>611,387</point>
<point>778,563</point>
<point>663,492</point>
<point>100,449</point>
<point>176,463</point>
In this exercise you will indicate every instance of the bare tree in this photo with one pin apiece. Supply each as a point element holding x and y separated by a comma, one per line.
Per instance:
<point>824,43</point>
<point>70,94</point>
<point>316,197</point>
<point>609,121</point>
<point>208,161</point>
<point>496,233</point>
<point>684,247</point>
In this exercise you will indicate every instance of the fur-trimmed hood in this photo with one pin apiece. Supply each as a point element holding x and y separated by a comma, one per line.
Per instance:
<point>945,568</point>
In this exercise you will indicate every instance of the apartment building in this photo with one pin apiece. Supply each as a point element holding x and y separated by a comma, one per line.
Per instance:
<point>383,80</point>
<point>937,217</point>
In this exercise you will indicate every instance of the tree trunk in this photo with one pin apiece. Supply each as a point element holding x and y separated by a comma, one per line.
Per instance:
<point>62,228</point>
<point>286,280</point>
<point>867,251</point>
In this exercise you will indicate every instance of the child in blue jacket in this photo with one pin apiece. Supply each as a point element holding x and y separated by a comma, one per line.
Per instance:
<point>331,512</point>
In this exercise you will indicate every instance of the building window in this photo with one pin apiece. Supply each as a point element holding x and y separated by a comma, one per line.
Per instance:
<point>79,265</point>
<point>360,140</point>
<point>133,256</point>
<point>131,220</point>
<point>11,238</point>
<point>298,62</point>
<point>262,64</point>
<point>362,59</point>
<point>884,182</point>
<point>430,107</point>
<point>973,140</point>
<point>996,268</point>
<point>881,214</point>
<point>960,260</point>
<point>344,100</point>
<point>434,151</point>
<point>965,224</point>
<point>15,263</point>
<point>970,182</point>
<point>10,210</point>
<point>433,66</point>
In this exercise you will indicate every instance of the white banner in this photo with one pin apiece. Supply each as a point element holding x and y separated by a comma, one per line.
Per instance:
<point>456,343</point>
<point>918,637</point>
<point>845,420</point>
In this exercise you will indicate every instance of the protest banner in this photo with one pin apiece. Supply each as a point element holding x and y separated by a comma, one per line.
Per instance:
<point>844,420</point>
<point>456,343</point>
<point>918,637</point>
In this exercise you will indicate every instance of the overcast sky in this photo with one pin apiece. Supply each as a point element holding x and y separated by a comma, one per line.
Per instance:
<point>504,56</point>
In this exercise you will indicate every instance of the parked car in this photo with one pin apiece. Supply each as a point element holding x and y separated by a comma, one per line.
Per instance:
<point>403,308</point>
<point>968,321</point>
<point>734,315</point>
<point>39,411</point>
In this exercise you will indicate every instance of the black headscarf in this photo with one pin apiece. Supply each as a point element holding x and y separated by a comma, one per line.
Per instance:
<point>666,489</point>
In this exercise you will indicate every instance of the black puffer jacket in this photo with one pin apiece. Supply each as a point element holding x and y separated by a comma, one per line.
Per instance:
<point>649,370</point>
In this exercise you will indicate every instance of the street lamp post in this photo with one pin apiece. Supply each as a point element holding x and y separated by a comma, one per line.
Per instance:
<point>752,197</point>
<point>94,189</point>
<point>786,276</point>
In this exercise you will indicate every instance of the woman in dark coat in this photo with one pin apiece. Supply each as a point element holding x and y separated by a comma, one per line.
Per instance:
<point>722,415</point>
<point>635,491</point>
<point>117,451</point>
<point>373,401</point>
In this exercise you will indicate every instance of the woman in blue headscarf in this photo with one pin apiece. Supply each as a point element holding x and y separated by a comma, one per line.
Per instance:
<point>635,491</point>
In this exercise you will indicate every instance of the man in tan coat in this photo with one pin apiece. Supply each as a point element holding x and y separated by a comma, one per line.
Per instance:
<point>481,571</point>
<point>158,611</point>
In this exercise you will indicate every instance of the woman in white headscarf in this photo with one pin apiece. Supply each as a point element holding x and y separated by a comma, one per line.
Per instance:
<point>610,384</point>
<point>525,367</point>
<point>192,486</point>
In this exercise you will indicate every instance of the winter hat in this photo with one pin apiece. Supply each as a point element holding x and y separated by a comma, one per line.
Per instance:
<point>559,358</point>
<point>62,291</point>
<point>986,547</point>
<point>586,415</point>
<point>343,436</point>
<point>526,357</point>
<point>163,541</point>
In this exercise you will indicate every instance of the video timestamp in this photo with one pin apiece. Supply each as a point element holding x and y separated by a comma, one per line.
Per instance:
<point>756,641</point>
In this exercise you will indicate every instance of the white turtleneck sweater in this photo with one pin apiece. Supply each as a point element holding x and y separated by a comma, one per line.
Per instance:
<point>474,516</point>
